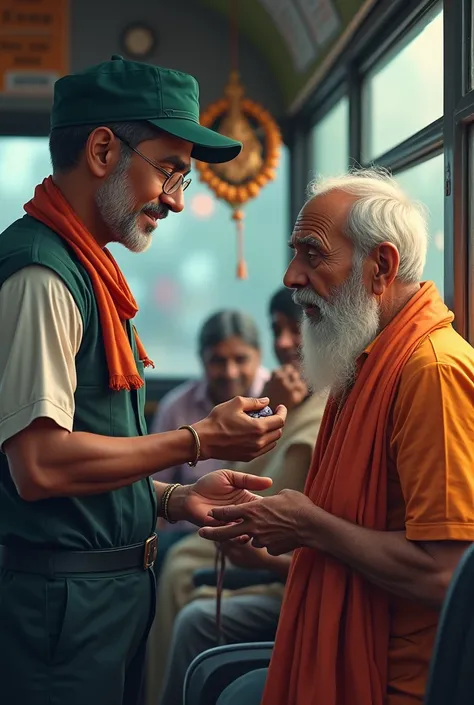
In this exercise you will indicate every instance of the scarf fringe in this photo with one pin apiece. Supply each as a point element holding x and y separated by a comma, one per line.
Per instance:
<point>121,383</point>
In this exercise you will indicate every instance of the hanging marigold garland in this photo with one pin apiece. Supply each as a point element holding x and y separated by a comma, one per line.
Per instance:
<point>254,167</point>
<point>237,195</point>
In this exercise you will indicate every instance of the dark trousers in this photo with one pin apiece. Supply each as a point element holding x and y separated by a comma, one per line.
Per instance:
<point>75,640</point>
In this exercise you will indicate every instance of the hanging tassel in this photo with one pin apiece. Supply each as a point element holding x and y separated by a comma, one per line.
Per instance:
<point>242,272</point>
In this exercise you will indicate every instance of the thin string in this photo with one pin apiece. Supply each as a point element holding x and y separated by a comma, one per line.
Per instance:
<point>242,272</point>
<point>240,241</point>
<point>220,572</point>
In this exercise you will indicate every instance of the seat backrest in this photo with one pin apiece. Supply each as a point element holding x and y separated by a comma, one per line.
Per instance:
<point>451,677</point>
<point>213,670</point>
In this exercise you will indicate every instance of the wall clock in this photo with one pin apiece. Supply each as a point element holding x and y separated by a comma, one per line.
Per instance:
<point>138,41</point>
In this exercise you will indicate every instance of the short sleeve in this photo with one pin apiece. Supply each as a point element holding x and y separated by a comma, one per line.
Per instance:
<point>433,445</point>
<point>41,334</point>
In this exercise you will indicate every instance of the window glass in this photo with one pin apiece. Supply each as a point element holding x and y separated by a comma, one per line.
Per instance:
<point>425,183</point>
<point>404,93</point>
<point>330,139</point>
<point>24,162</point>
<point>189,271</point>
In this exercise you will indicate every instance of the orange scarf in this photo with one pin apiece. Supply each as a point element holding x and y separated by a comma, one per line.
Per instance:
<point>114,298</point>
<point>332,639</point>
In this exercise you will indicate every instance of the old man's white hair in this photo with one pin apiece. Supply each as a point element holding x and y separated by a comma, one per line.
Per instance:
<point>382,213</point>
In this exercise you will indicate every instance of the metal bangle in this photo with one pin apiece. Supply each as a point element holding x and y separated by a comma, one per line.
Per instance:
<point>193,463</point>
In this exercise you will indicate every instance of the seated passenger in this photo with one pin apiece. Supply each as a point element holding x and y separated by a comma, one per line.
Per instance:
<point>249,613</point>
<point>229,349</point>
<point>388,509</point>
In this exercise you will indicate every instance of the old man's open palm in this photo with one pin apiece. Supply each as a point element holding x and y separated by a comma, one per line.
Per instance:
<point>272,522</point>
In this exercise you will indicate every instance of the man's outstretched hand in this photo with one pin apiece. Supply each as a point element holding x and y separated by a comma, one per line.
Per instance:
<point>229,433</point>
<point>216,489</point>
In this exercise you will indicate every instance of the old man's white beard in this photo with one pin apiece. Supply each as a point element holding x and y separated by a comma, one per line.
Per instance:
<point>349,321</point>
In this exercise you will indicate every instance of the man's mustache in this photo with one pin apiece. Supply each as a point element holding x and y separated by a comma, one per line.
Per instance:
<point>306,297</point>
<point>158,210</point>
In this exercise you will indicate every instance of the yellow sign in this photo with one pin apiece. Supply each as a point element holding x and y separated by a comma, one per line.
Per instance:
<point>34,45</point>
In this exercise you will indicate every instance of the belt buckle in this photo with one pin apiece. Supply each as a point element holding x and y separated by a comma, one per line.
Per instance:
<point>151,550</point>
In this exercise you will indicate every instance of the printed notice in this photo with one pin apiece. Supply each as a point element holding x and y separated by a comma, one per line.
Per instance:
<point>34,45</point>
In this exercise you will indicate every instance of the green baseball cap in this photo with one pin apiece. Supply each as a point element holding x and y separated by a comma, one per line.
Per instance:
<point>124,91</point>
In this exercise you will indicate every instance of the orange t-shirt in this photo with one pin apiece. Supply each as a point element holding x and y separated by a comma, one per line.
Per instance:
<point>430,486</point>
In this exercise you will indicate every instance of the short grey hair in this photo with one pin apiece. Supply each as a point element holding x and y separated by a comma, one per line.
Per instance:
<point>382,213</point>
<point>66,144</point>
<point>228,324</point>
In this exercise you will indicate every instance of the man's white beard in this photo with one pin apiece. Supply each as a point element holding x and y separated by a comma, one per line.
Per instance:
<point>348,322</point>
<point>115,202</point>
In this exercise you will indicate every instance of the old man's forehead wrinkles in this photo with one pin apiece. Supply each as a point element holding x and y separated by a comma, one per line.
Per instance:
<point>315,218</point>
<point>312,225</point>
<point>318,223</point>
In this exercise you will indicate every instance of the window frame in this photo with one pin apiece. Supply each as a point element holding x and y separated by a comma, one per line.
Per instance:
<point>458,114</point>
<point>428,141</point>
<point>387,27</point>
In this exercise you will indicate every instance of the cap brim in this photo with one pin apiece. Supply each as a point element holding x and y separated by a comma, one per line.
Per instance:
<point>209,146</point>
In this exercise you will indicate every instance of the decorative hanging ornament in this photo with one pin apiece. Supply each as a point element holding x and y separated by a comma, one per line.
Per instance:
<point>241,179</point>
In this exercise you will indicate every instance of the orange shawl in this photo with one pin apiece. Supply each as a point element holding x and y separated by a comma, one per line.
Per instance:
<point>114,298</point>
<point>332,640</point>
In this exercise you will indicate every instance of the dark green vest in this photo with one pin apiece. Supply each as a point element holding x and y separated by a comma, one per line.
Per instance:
<point>116,518</point>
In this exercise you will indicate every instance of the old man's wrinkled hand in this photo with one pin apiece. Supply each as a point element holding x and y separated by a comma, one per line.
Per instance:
<point>275,523</point>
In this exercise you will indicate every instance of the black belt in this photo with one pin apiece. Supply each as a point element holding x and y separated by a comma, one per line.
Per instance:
<point>44,562</point>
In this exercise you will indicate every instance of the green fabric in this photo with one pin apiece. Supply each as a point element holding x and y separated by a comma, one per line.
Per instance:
<point>123,91</point>
<point>119,518</point>
<point>75,640</point>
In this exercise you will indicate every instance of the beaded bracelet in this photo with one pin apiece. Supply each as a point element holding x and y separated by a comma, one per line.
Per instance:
<point>165,498</point>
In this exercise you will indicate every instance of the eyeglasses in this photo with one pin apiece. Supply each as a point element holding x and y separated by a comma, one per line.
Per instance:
<point>173,181</point>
